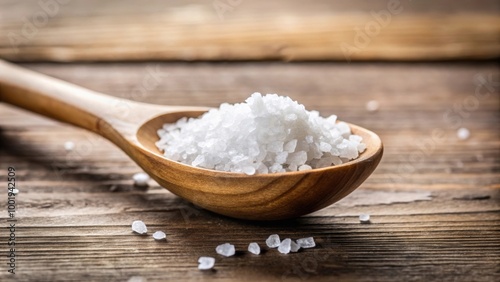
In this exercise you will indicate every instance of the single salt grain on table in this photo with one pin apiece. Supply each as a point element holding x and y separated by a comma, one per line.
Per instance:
<point>273,241</point>
<point>205,263</point>
<point>294,247</point>
<point>141,179</point>
<point>372,106</point>
<point>69,146</point>
<point>254,248</point>
<point>139,227</point>
<point>265,134</point>
<point>159,235</point>
<point>463,133</point>
<point>306,243</point>
<point>15,191</point>
<point>364,218</point>
<point>285,246</point>
<point>226,250</point>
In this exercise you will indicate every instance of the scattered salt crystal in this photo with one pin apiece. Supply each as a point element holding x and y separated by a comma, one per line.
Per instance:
<point>226,250</point>
<point>285,246</point>
<point>254,248</point>
<point>15,191</point>
<point>69,146</point>
<point>273,241</point>
<point>139,227</point>
<point>463,133</point>
<point>372,106</point>
<point>294,247</point>
<point>306,243</point>
<point>159,235</point>
<point>205,263</point>
<point>140,179</point>
<point>266,134</point>
<point>364,218</point>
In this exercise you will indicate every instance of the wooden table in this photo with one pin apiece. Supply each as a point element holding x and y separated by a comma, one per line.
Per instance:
<point>434,203</point>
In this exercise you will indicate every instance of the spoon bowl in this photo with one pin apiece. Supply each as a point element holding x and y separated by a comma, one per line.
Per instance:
<point>134,127</point>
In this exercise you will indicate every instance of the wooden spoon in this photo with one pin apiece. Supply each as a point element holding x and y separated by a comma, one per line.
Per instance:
<point>132,126</point>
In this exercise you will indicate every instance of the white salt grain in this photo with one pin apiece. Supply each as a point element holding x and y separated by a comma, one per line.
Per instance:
<point>285,246</point>
<point>294,247</point>
<point>254,248</point>
<point>205,263</point>
<point>463,133</point>
<point>372,106</point>
<point>15,191</point>
<point>159,235</point>
<point>141,179</point>
<point>266,134</point>
<point>139,227</point>
<point>273,241</point>
<point>306,243</point>
<point>226,250</point>
<point>364,218</point>
<point>69,146</point>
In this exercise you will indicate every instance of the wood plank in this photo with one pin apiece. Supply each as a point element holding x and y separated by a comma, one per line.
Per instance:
<point>436,222</point>
<point>250,30</point>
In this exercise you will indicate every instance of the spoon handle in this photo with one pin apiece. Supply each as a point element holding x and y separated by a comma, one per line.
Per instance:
<point>55,98</point>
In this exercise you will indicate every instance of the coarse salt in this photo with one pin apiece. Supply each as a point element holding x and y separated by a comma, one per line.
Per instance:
<point>69,146</point>
<point>226,250</point>
<point>266,134</point>
<point>141,179</point>
<point>285,246</point>
<point>254,248</point>
<point>205,263</point>
<point>306,243</point>
<point>273,241</point>
<point>139,227</point>
<point>159,235</point>
<point>364,218</point>
<point>463,133</point>
<point>372,106</point>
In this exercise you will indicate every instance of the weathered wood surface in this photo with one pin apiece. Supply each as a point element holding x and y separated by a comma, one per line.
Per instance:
<point>434,218</point>
<point>83,30</point>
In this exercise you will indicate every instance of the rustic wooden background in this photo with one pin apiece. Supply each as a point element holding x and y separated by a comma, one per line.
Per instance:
<point>435,204</point>
<point>90,30</point>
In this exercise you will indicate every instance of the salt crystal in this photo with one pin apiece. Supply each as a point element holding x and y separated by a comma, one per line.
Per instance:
<point>226,250</point>
<point>306,243</point>
<point>159,235</point>
<point>273,241</point>
<point>463,133</point>
<point>69,146</point>
<point>364,218</point>
<point>305,167</point>
<point>254,248</point>
<point>290,146</point>
<point>249,170</point>
<point>285,246</point>
<point>140,179</point>
<point>325,147</point>
<point>294,247</point>
<point>266,134</point>
<point>139,227</point>
<point>15,191</point>
<point>372,106</point>
<point>205,263</point>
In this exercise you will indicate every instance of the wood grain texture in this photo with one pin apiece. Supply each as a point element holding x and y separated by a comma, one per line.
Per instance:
<point>84,30</point>
<point>434,218</point>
